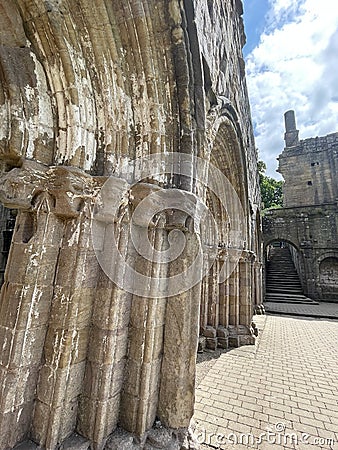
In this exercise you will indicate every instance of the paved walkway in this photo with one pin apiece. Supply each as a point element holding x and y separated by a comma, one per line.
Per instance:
<point>324,310</point>
<point>280,393</point>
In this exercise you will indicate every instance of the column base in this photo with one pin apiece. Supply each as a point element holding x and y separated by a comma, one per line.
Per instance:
<point>158,437</point>
<point>232,336</point>
<point>213,338</point>
<point>73,442</point>
<point>222,337</point>
<point>241,335</point>
<point>259,310</point>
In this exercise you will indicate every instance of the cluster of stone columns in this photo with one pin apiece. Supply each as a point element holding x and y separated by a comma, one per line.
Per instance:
<point>80,354</point>
<point>227,307</point>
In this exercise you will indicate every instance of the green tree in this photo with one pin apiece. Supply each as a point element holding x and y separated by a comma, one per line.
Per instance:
<point>271,189</point>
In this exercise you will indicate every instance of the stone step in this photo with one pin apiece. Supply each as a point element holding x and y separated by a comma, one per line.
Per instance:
<point>282,280</point>
<point>286,278</point>
<point>282,298</point>
<point>282,285</point>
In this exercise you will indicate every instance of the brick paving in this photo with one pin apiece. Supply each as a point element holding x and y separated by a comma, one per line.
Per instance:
<point>281,393</point>
<point>324,310</point>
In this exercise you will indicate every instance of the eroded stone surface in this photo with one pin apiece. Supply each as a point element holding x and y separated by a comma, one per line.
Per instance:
<point>87,95</point>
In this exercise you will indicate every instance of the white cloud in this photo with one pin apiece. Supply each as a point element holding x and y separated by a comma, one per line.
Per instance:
<point>294,66</point>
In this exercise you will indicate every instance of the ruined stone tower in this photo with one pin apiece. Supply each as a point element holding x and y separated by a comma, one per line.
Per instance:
<point>130,219</point>
<point>308,220</point>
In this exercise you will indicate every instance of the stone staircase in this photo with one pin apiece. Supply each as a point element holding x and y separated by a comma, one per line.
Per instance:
<point>282,281</point>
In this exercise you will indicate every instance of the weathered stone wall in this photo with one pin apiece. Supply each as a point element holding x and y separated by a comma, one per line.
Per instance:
<point>309,168</point>
<point>313,233</point>
<point>96,330</point>
<point>309,218</point>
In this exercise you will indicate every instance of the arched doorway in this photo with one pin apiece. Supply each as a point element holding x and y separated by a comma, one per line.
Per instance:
<point>227,304</point>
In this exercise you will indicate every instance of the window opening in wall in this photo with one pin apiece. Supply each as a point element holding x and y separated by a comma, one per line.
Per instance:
<point>315,163</point>
<point>309,183</point>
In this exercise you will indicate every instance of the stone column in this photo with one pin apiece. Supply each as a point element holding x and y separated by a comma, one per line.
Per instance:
<point>26,297</point>
<point>213,303</point>
<point>204,303</point>
<point>259,308</point>
<point>240,323</point>
<point>245,291</point>
<point>65,348</point>
<point>140,394</point>
<point>99,404</point>
<point>224,307</point>
<point>223,293</point>
<point>234,297</point>
<point>177,384</point>
<point>245,335</point>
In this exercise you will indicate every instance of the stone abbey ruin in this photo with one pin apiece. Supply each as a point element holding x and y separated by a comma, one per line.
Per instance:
<point>109,110</point>
<point>130,216</point>
<point>308,221</point>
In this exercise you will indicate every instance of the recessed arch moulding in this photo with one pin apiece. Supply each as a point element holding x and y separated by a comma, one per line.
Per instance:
<point>89,95</point>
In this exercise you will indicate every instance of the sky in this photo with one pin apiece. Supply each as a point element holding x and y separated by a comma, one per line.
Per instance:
<point>291,59</point>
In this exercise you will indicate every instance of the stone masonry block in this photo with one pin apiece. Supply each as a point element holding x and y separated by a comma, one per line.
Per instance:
<point>111,308</point>
<point>76,268</point>
<point>75,442</point>
<point>65,347</point>
<point>211,343</point>
<point>14,425</point>
<point>17,387</point>
<point>98,419</point>
<point>21,305</point>
<point>30,265</point>
<point>103,381</point>
<point>145,345</point>
<point>68,419</point>
<point>209,332</point>
<point>202,342</point>
<point>223,342</point>
<point>43,431</point>
<point>107,347</point>
<point>71,308</point>
<point>57,384</point>
<point>222,332</point>
<point>233,342</point>
<point>21,348</point>
<point>247,340</point>
<point>143,379</point>
<point>130,417</point>
<point>147,310</point>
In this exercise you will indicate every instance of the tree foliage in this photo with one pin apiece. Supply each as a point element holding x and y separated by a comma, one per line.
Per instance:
<point>271,189</point>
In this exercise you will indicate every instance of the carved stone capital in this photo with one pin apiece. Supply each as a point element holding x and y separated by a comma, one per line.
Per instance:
<point>247,256</point>
<point>68,186</point>
<point>19,186</point>
<point>169,208</point>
